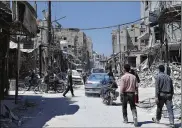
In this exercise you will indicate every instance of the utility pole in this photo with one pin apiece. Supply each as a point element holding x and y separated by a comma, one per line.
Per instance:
<point>35,51</point>
<point>49,38</point>
<point>49,31</point>
<point>18,57</point>
<point>119,48</point>
<point>17,71</point>
<point>75,45</point>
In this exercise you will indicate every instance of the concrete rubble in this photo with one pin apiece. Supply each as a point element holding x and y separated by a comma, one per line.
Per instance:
<point>147,77</point>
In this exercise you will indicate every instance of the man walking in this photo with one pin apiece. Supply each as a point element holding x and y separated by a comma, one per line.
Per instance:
<point>163,94</point>
<point>70,84</point>
<point>84,77</point>
<point>128,86</point>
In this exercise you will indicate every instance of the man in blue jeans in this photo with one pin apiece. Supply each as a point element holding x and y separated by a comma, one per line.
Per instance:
<point>163,95</point>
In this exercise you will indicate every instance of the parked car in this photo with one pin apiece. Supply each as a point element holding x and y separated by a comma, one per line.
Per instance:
<point>77,79</point>
<point>98,70</point>
<point>95,82</point>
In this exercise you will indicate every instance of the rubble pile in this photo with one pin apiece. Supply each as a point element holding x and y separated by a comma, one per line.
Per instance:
<point>147,76</point>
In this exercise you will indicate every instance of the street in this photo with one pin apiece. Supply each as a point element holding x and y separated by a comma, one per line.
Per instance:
<point>47,47</point>
<point>53,110</point>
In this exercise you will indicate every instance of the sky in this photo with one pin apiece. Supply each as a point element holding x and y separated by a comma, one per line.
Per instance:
<point>93,14</point>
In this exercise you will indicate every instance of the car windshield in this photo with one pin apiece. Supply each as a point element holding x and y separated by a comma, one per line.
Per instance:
<point>98,70</point>
<point>98,77</point>
<point>75,73</point>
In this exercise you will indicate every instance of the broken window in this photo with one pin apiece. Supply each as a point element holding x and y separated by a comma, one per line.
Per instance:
<point>142,31</point>
<point>135,48</point>
<point>147,3</point>
<point>136,39</point>
<point>142,42</point>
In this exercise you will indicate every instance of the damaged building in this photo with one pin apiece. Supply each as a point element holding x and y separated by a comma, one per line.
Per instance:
<point>131,46</point>
<point>156,37</point>
<point>163,29</point>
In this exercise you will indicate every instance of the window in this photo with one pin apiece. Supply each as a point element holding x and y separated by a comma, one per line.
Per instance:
<point>136,39</point>
<point>135,48</point>
<point>64,38</point>
<point>142,41</point>
<point>124,48</point>
<point>146,5</point>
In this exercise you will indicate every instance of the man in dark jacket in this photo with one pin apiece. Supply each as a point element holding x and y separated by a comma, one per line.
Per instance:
<point>110,74</point>
<point>163,94</point>
<point>70,84</point>
<point>132,71</point>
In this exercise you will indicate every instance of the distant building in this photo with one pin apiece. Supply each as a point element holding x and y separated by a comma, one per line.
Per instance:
<point>131,46</point>
<point>77,41</point>
<point>90,47</point>
<point>99,60</point>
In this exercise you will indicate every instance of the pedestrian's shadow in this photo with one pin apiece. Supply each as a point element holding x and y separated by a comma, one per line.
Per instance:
<point>145,122</point>
<point>178,125</point>
<point>117,104</point>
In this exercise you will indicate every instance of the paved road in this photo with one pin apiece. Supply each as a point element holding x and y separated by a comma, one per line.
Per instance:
<point>81,111</point>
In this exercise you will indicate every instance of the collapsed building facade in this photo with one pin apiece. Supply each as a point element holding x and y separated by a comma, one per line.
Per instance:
<point>163,31</point>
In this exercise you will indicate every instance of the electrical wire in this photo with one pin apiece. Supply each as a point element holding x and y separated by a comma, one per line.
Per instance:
<point>113,26</point>
<point>107,27</point>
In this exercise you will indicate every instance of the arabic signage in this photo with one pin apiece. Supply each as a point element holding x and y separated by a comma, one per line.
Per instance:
<point>27,43</point>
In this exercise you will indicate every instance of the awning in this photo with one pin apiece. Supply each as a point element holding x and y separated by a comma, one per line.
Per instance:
<point>144,36</point>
